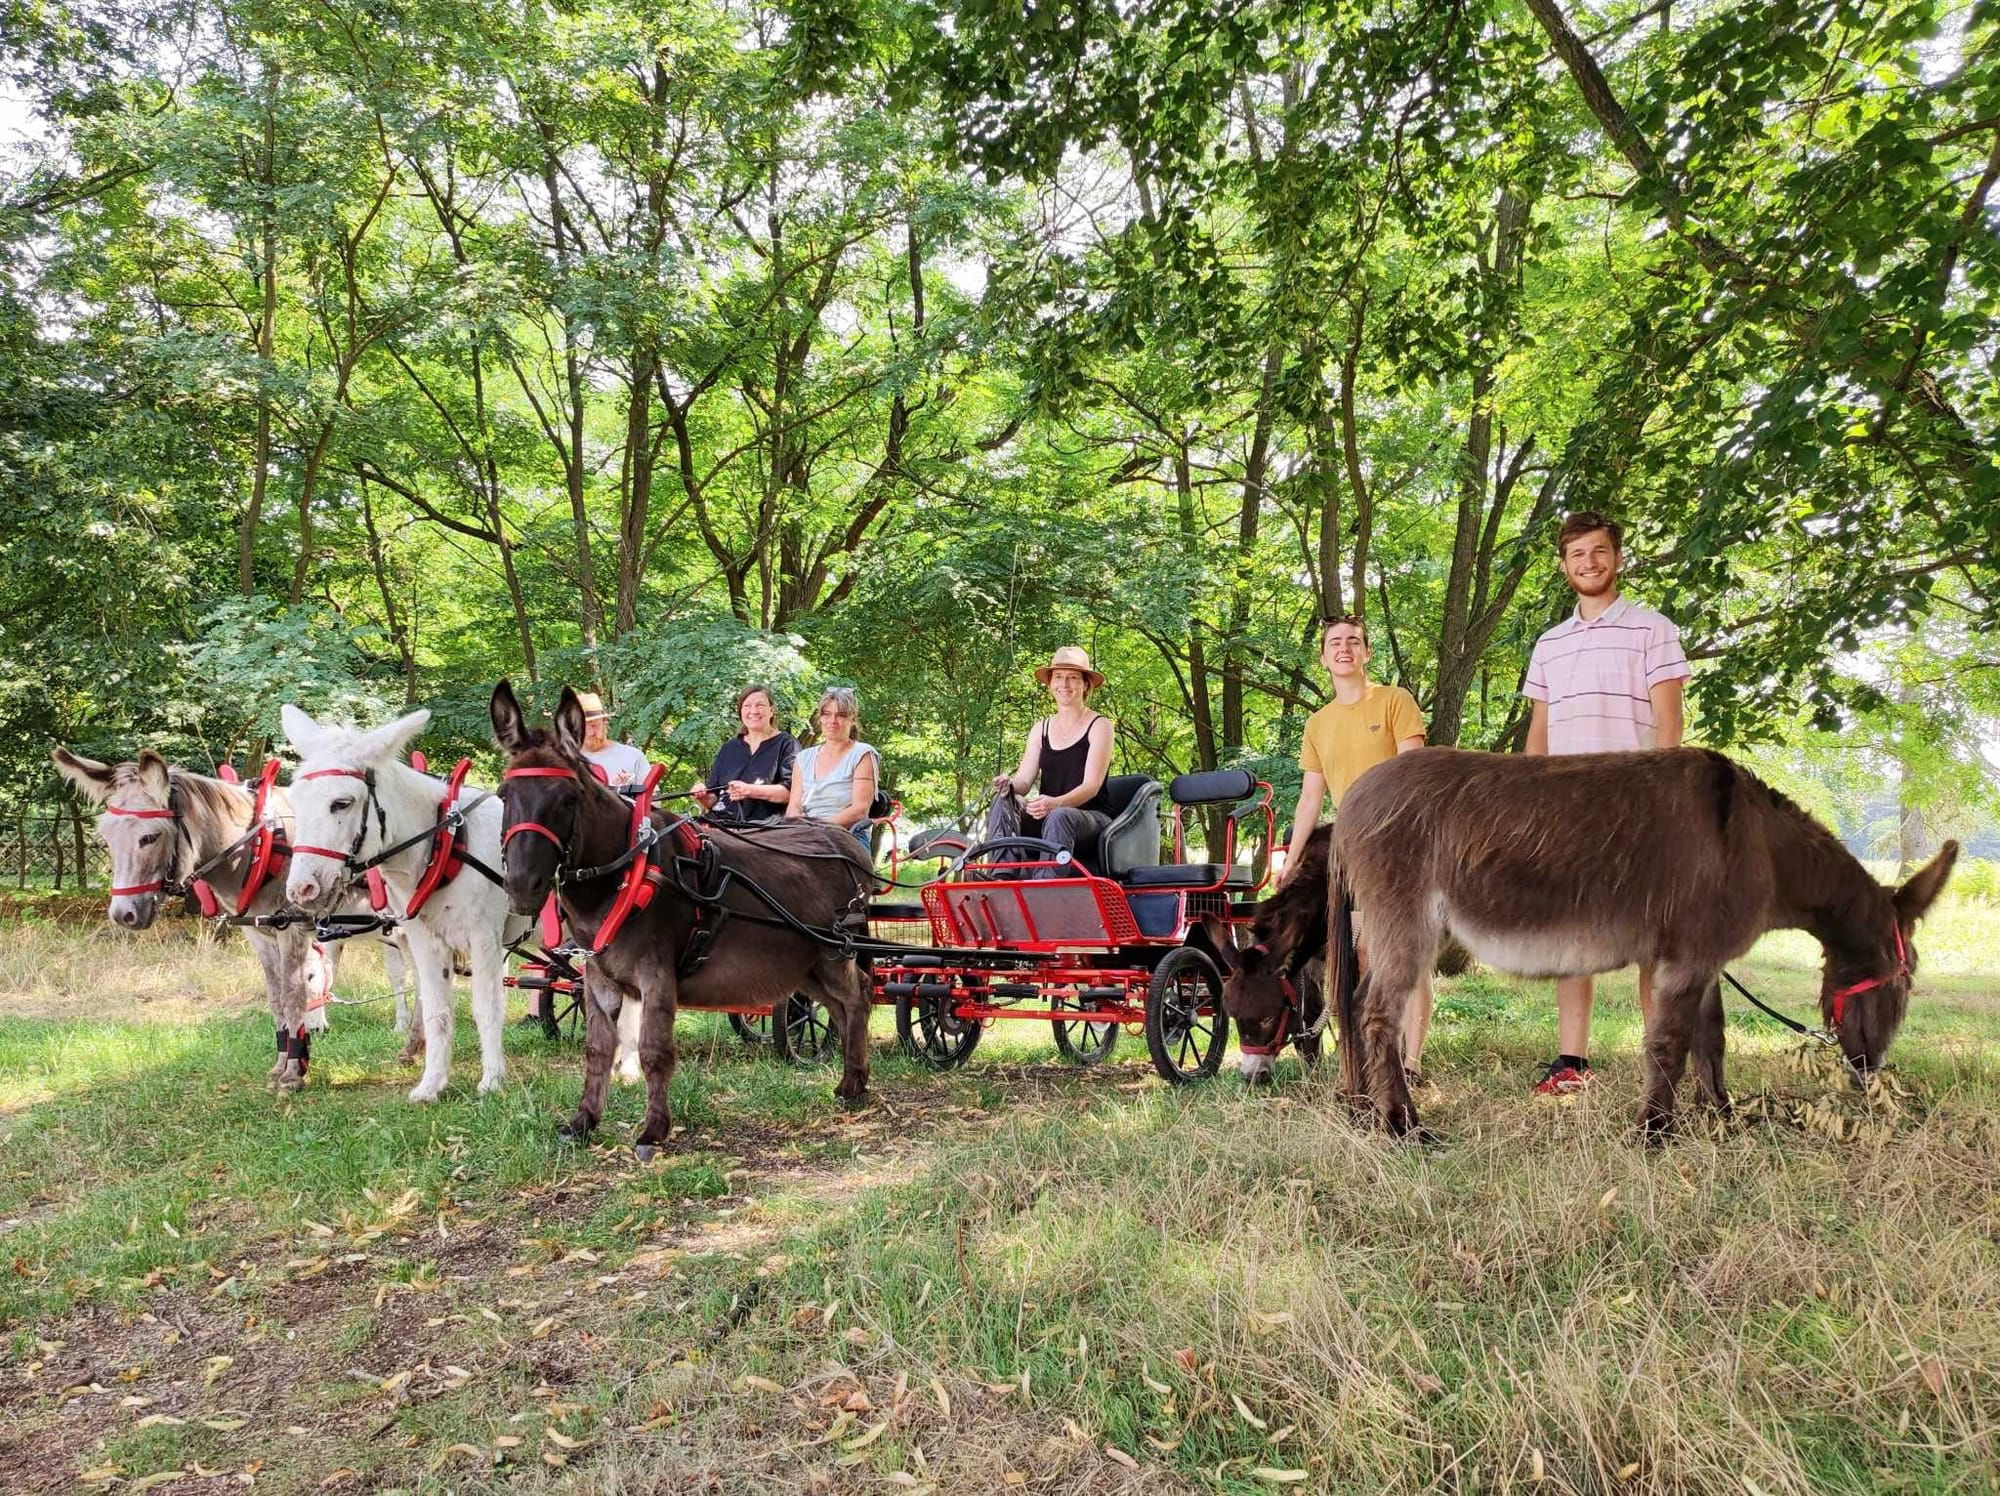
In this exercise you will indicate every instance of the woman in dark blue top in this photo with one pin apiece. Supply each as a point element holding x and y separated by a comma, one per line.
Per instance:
<point>751,778</point>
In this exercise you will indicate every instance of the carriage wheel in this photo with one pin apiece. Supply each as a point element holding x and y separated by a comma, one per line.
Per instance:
<point>931,1033</point>
<point>1186,1029</point>
<point>1082,1042</point>
<point>802,1030</point>
<point>752,1029</point>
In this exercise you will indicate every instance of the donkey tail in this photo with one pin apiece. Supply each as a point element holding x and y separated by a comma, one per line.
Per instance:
<point>1343,970</point>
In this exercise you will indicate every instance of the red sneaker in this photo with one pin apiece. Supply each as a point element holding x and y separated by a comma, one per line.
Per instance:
<point>1558,1079</point>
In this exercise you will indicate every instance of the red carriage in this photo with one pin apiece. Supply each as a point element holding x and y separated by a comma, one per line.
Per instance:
<point>1091,944</point>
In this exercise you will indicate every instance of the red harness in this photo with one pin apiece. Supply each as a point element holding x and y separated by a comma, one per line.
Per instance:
<point>268,852</point>
<point>1855,989</point>
<point>447,856</point>
<point>641,879</point>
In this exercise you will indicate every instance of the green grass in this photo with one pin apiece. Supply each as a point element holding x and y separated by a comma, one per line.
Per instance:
<point>1089,1268</point>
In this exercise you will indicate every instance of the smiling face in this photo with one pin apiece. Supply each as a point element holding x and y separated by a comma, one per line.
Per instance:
<point>596,732</point>
<point>754,712</point>
<point>1590,563</point>
<point>1068,687</point>
<point>1344,650</point>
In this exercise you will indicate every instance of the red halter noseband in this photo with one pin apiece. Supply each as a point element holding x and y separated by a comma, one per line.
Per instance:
<point>535,826</point>
<point>141,815</point>
<point>1855,989</point>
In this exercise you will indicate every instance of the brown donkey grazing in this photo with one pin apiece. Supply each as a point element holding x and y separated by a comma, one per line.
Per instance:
<point>704,939</point>
<point>1569,866</point>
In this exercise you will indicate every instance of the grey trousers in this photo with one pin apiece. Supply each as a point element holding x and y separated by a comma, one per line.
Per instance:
<point>1065,826</point>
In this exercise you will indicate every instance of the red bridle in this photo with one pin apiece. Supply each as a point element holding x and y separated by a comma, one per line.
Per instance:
<point>329,851</point>
<point>141,815</point>
<point>1285,1018</point>
<point>1855,989</point>
<point>535,826</point>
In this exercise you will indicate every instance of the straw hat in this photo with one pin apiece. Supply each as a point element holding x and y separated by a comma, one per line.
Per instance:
<point>592,704</point>
<point>1070,657</point>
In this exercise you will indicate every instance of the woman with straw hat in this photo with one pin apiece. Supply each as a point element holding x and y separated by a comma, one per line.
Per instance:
<point>1069,753</point>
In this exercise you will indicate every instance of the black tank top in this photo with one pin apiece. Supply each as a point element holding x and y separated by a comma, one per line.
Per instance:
<point>1063,768</point>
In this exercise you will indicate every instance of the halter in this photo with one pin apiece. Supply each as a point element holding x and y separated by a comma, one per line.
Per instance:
<point>1291,1014</point>
<point>180,832</point>
<point>447,857</point>
<point>1855,989</point>
<point>641,880</point>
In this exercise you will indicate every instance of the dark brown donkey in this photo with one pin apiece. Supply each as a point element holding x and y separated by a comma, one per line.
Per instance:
<point>705,939</point>
<point>1573,865</point>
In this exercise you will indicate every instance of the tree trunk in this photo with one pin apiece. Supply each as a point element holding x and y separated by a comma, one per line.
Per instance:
<point>267,325</point>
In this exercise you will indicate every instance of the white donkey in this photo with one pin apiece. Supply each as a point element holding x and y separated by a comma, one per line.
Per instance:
<point>353,799</point>
<point>165,827</point>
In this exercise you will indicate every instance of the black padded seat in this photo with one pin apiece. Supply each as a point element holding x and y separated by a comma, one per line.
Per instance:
<point>1176,875</point>
<point>1212,787</point>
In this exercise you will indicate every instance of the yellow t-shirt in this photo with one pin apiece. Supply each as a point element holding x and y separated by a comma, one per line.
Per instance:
<point>1344,742</point>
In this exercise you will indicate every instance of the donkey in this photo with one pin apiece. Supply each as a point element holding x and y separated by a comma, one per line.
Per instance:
<point>355,799</point>
<point>1569,866</point>
<point>704,939</point>
<point>1267,988</point>
<point>164,825</point>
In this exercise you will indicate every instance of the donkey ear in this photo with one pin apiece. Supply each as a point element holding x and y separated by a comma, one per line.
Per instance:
<point>1224,942</point>
<point>301,731</point>
<point>153,775</point>
<point>1914,899</point>
<point>569,722</point>
<point>91,778</point>
<point>510,728</point>
<point>389,742</point>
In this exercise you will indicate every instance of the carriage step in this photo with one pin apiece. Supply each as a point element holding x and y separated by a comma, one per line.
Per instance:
<point>1102,994</point>
<point>918,958</point>
<point>1011,989</point>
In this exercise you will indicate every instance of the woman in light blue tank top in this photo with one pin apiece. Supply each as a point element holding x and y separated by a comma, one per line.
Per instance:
<point>835,779</point>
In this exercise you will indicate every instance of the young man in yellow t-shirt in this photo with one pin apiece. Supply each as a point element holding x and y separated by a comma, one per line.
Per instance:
<point>1365,724</point>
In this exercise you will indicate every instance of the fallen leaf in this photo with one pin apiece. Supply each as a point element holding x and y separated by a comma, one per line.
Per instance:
<point>1118,1456</point>
<point>562,1440</point>
<point>1185,1358</point>
<point>1278,1477</point>
<point>1164,1446</point>
<point>541,1328</point>
<point>159,1420</point>
<point>1246,1415</point>
<point>762,1384</point>
<point>225,1425</point>
<point>159,1478</point>
<point>1271,1321</point>
<point>858,1401</point>
<point>215,1367</point>
<point>1015,1478</point>
<point>943,1397</point>
<point>467,1451</point>
<point>1626,1472</point>
<point>1160,1387</point>
<point>102,1472</point>
<point>1608,1198</point>
<point>507,1441</point>
<point>868,1438</point>
<point>1536,1469</point>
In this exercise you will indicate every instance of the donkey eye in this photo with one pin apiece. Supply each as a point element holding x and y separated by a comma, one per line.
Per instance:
<point>345,802</point>
<point>149,838</point>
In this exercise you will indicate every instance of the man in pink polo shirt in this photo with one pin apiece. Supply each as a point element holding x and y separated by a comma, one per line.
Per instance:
<point>1607,679</point>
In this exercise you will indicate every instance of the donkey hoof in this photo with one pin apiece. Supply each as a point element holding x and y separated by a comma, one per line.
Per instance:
<point>852,1103</point>
<point>645,1152</point>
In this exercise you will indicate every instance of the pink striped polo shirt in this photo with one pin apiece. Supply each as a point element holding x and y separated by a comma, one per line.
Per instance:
<point>1597,677</point>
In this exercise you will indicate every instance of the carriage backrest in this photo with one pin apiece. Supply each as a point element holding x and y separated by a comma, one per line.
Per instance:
<point>1133,837</point>
<point>1212,787</point>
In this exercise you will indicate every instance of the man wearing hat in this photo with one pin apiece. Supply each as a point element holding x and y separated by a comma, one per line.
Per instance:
<point>622,763</point>
<point>1069,753</point>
